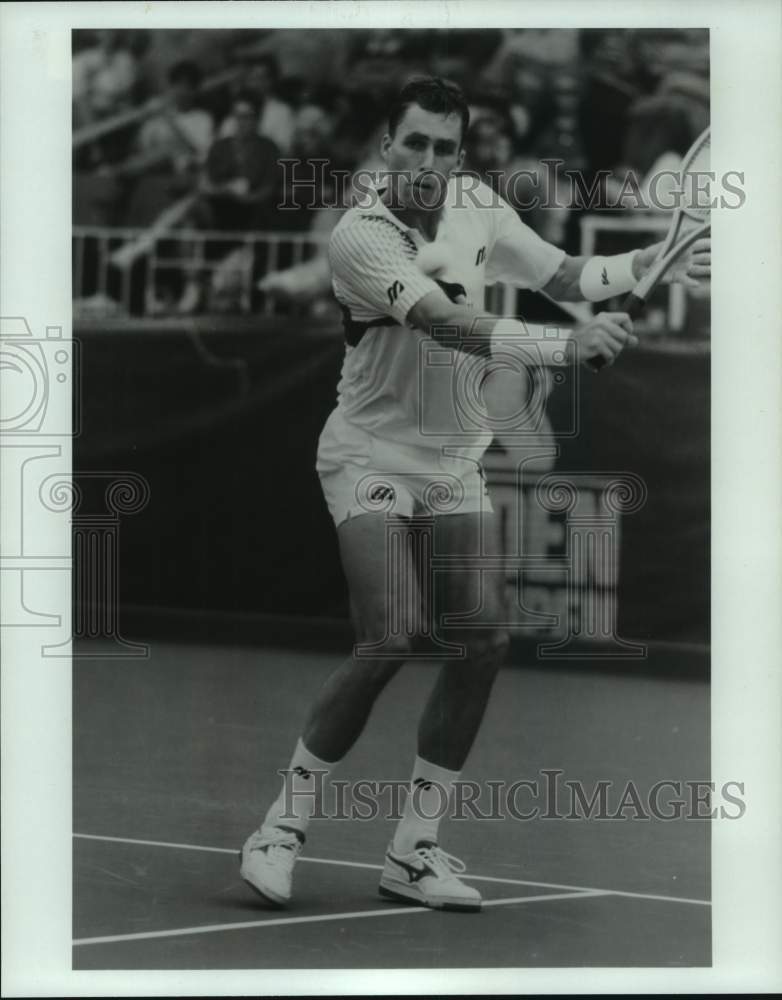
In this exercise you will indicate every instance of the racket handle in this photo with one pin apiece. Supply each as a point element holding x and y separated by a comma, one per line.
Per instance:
<point>633,305</point>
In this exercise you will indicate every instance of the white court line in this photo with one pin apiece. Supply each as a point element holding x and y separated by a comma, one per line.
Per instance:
<point>277,922</point>
<point>592,890</point>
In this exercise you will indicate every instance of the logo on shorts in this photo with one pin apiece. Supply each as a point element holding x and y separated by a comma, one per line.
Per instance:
<point>604,276</point>
<point>380,493</point>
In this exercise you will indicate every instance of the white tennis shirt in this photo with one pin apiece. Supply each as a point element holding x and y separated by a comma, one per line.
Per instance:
<point>396,383</point>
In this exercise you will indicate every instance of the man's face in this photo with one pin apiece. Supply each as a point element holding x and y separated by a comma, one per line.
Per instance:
<point>426,149</point>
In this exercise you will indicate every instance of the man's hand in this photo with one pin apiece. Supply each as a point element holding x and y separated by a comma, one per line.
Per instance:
<point>693,268</point>
<point>604,336</point>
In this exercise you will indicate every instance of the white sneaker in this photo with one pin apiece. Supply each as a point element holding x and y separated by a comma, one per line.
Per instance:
<point>268,857</point>
<point>428,877</point>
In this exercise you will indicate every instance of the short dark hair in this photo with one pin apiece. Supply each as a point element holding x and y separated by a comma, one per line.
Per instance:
<point>185,72</point>
<point>432,94</point>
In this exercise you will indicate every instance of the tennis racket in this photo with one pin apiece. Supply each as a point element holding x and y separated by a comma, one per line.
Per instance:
<point>691,222</point>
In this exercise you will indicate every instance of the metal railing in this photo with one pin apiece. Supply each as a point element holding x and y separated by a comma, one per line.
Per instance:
<point>116,270</point>
<point>122,266</point>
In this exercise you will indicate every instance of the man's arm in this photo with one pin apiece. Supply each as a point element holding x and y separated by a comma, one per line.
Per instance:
<point>568,284</point>
<point>435,315</point>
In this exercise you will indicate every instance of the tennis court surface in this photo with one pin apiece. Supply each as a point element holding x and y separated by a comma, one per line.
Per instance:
<point>175,759</point>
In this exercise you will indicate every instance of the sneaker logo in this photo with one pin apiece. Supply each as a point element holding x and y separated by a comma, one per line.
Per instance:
<point>414,874</point>
<point>302,772</point>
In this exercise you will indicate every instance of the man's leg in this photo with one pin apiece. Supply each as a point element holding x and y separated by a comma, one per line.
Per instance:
<point>457,704</point>
<point>453,713</point>
<point>344,703</point>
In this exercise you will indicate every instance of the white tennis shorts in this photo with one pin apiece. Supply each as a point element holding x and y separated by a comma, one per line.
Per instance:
<point>362,474</point>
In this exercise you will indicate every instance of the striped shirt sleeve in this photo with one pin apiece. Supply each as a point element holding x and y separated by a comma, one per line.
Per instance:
<point>373,264</point>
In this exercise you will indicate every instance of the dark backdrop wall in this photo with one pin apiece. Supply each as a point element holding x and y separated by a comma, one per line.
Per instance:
<point>222,419</point>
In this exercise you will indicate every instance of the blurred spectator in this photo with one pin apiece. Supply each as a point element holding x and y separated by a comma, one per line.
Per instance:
<point>308,185</point>
<point>274,119</point>
<point>661,130</point>
<point>212,50</point>
<point>489,152</point>
<point>179,138</point>
<point>610,85</point>
<point>318,57</point>
<point>242,179</point>
<point>170,149</point>
<point>104,77</point>
<point>522,181</point>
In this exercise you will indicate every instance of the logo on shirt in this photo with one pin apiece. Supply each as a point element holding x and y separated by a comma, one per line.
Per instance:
<point>394,291</point>
<point>481,257</point>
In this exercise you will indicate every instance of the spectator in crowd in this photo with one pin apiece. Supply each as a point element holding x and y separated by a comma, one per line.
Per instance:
<point>308,181</point>
<point>520,180</point>
<point>211,49</point>
<point>178,139</point>
<point>104,78</point>
<point>660,131</point>
<point>242,180</point>
<point>275,119</point>
<point>171,149</point>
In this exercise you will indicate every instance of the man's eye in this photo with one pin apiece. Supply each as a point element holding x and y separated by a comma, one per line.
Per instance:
<point>416,143</point>
<point>444,150</point>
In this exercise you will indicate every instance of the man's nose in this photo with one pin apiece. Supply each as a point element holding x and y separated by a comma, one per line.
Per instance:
<point>427,162</point>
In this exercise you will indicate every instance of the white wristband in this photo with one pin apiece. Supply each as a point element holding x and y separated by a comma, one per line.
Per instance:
<point>603,277</point>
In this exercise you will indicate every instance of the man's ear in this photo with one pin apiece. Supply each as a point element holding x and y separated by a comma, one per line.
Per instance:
<point>385,145</point>
<point>460,158</point>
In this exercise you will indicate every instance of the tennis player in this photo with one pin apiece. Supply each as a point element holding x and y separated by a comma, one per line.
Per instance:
<point>397,446</point>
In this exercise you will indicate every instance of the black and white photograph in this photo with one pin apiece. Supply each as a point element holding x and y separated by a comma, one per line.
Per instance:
<point>381,532</point>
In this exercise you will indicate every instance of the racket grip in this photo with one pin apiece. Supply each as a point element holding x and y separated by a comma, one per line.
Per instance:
<point>633,305</point>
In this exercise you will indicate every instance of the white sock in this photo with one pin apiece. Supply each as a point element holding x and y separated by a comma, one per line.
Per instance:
<point>301,791</point>
<point>431,788</point>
